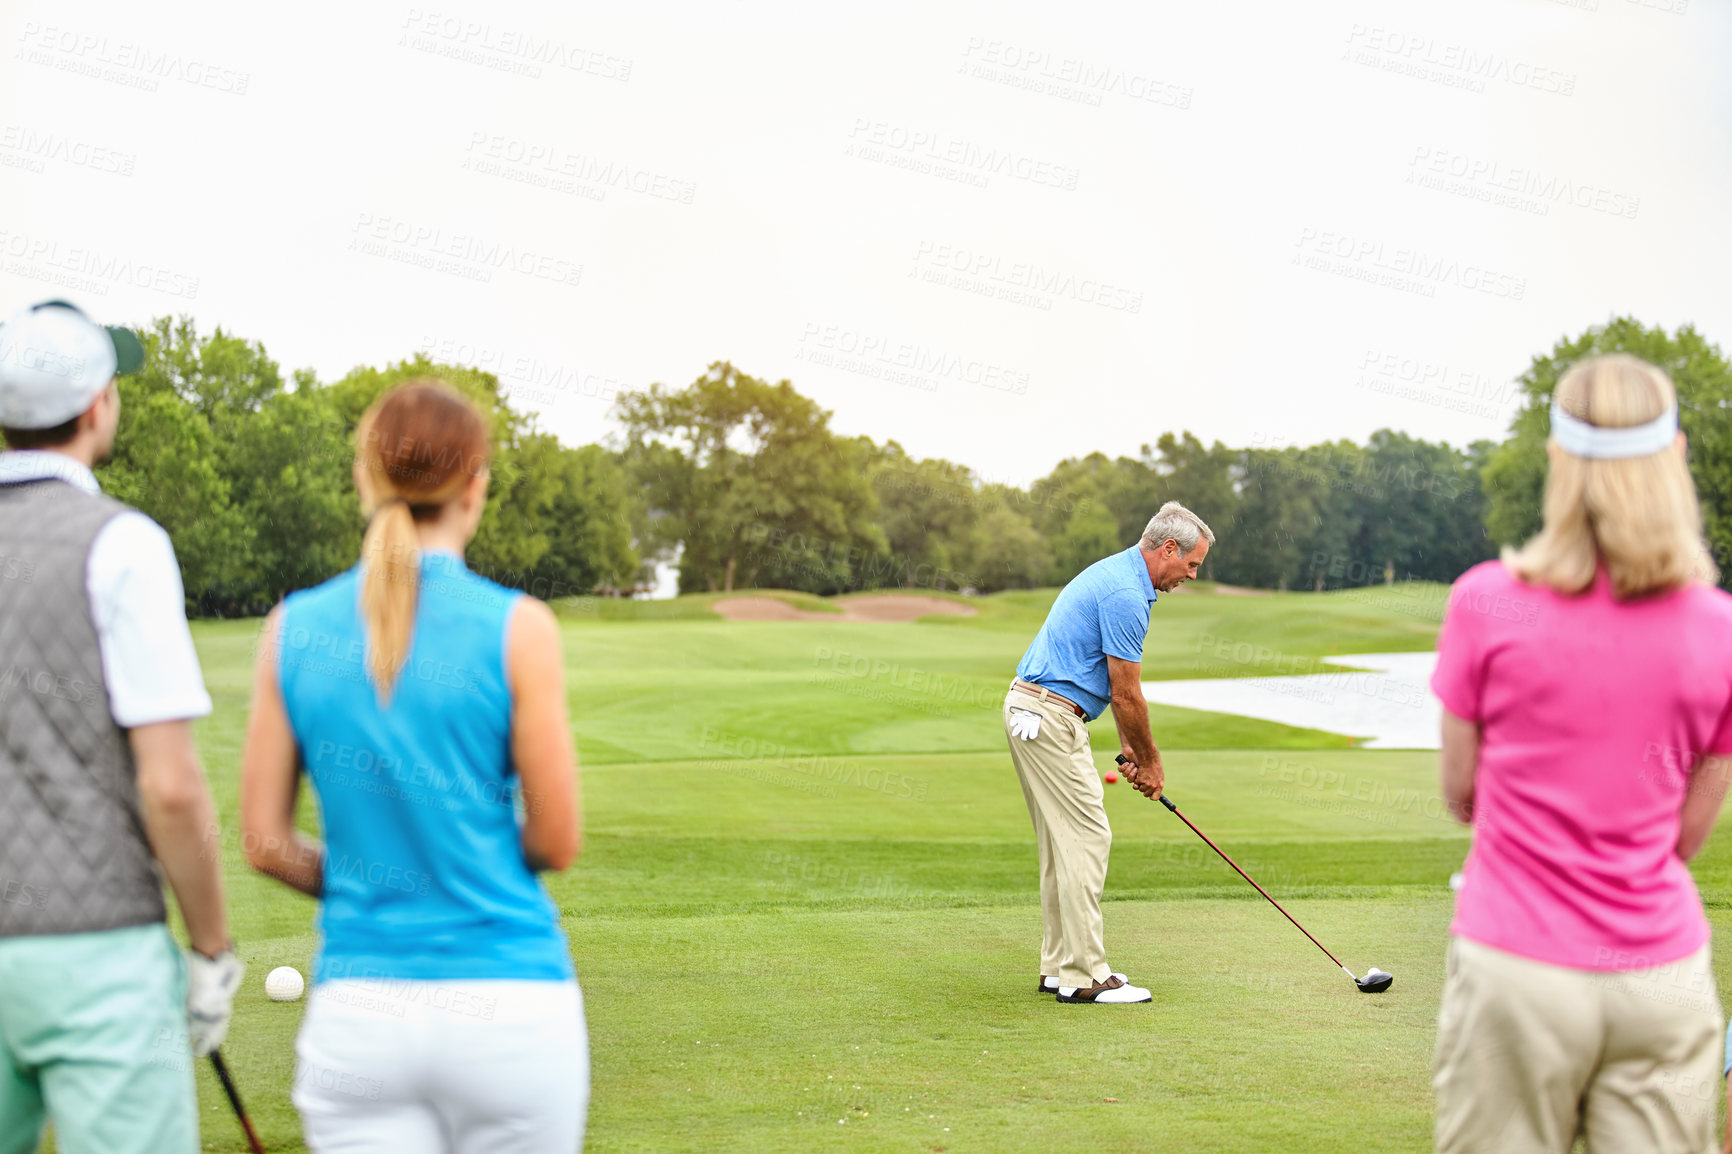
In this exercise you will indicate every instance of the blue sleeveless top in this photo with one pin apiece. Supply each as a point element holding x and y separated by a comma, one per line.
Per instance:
<point>424,871</point>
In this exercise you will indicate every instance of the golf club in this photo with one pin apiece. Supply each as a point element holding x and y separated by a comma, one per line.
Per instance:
<point>222,1071</point>
<point>1375,980</point>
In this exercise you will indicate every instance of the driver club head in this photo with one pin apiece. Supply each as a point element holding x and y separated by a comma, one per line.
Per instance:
<point>1375,981</point>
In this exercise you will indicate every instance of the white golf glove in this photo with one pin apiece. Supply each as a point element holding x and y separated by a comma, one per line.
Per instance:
<point>211,985</point>
<point>1025,723</point>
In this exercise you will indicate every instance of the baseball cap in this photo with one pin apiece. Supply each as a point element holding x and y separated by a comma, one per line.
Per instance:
<point>54,360</point>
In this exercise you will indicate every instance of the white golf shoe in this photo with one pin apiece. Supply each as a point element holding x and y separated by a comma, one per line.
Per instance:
<point>1050,985</point>
<point>1113,991</point>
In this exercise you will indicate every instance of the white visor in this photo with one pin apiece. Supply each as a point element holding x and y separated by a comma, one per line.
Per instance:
<point>1574,435</point>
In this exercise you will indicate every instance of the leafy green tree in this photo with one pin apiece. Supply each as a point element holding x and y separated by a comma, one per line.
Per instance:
<point>224,377</point>
<point>1335,514</point>
<point>1282,498</point>
<point>166,464</point>
<point>1090,534</point>
<point>1203,479</point>
<point>1422,513</point>
<point>588,520</point>
<point>749,479</point>
<point>1095,480</point>
<point>289,466</point>
<point>928,510</point>
<point>1005,551</point>
<point>1514,473</point>
<point>1069,502</point>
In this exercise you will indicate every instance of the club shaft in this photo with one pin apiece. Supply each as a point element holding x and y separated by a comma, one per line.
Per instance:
<point>222,1072</point>
<point>1254,884</point>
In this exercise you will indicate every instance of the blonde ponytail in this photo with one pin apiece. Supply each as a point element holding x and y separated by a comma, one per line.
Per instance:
<point>416,449</point>
<point>390,580</point>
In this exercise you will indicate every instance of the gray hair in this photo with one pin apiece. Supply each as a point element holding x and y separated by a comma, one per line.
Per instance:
<point>1177,523</point>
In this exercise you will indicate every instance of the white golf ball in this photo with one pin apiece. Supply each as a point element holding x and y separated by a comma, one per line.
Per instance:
<point>284,984</point>
<point>1455,881</point>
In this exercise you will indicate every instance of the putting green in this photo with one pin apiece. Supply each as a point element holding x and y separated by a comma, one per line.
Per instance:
<point>806,912</point>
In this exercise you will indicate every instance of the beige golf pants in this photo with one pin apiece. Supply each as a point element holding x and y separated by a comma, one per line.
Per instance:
<point>1528,1054</point>
<point>1063,792</point>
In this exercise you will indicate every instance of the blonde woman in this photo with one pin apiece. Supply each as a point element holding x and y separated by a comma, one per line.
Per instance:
<point>427,706</point>
<point>1587,688</point>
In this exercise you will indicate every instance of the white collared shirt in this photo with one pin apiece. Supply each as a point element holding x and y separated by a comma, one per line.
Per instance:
<point>137,602</point>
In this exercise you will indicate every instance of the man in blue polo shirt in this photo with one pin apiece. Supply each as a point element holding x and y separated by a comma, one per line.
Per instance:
<point>1088,656</point>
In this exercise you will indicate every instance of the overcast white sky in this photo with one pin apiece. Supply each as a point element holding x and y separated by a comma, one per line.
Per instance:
<point>999,233</point>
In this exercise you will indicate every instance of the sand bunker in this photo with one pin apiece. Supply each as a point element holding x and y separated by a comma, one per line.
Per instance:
<point>882,608</point>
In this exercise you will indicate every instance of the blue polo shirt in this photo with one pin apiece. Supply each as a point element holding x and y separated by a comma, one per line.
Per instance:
<point>1103,612</point>
<point>425,877</point>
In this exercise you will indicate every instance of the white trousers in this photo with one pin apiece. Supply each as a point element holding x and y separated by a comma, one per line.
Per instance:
<point>461,1067</point>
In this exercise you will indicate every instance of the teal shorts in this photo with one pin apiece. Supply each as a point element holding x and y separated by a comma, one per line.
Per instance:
<point>93,1036</point>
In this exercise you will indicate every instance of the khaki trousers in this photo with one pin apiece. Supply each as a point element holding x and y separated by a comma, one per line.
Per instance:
<point>1072,837</point>
<point>1529,1055</point>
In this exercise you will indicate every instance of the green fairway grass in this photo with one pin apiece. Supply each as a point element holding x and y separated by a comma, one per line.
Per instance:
<point>806,915</point>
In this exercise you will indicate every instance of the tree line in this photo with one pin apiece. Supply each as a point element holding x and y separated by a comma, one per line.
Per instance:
<point>745,483</point>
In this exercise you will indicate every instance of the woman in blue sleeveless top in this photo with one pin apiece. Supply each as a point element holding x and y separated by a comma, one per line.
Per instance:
<point>427,707</point>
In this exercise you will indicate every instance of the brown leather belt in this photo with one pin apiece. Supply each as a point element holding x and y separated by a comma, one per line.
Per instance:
<point>1047,694</point>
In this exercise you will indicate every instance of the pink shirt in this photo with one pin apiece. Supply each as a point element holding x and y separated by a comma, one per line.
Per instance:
<point>1593,714</point>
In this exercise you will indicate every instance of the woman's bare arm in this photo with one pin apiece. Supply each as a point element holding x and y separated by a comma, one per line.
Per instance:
<point>541,738</point>
<point>1702,799</point>
<point>270,780</point>
<point>1458,761</point>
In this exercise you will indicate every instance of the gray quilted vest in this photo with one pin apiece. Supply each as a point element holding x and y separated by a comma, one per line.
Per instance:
<point>73,854</point>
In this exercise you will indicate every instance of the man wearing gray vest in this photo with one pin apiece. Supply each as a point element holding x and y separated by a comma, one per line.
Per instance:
<point>100,784</point>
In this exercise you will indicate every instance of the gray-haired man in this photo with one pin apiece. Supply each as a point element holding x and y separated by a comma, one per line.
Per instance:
<point>100,785</point>
<point>1087,656</point>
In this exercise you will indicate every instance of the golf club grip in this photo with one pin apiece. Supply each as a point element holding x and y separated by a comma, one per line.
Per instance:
<point>1123,760</point>
<point>222,1072</point>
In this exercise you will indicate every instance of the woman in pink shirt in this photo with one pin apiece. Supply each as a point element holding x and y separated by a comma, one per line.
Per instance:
<point>1587,688</point>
